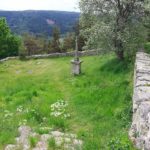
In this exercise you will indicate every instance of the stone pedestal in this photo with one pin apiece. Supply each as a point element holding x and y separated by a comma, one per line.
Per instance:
<point>76,67</point>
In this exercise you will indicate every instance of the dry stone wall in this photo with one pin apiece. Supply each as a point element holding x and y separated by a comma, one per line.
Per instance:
<point>140,129</point>
<point>53,55</point>
<point>62,141</point>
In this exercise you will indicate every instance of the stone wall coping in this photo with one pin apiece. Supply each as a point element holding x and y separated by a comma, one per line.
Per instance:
<point>140,129</point>
<point>55,55</point>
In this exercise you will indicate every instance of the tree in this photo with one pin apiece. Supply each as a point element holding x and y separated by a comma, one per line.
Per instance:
<point>30,44</point>
<point>69,42</point>
<point>9,44</point>
<point>34,44</point>
<point>114,24</point>
<point>147,20</point>
<point>55,44</point>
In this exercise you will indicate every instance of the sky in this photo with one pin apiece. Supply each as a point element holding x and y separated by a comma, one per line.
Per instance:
<point>64,5</point>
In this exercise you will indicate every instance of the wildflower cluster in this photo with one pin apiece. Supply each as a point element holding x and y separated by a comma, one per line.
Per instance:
<point>58,109</point>
<point>8,114</point>
<point>20,109</point>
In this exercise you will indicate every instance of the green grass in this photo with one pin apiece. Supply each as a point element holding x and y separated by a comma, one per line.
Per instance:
<point>51,144</point>
<point>99,100</point>
<point>33,141</point>
<point>147,47</point>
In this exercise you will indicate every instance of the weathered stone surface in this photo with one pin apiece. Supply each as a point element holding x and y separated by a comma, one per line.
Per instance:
<point>57,133</point>
<point>11,147</point>
<point>140,129</point>
<point>76,67</point>
<point>25,132</point>
<point>66,141</point>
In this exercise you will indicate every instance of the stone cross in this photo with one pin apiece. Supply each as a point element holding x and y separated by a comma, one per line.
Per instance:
<point>76,63</point>
<point>76,50</point>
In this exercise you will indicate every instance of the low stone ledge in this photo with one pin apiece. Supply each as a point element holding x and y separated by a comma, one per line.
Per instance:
<point>140,129</point>
<point>55,55</point>
<point>65,141</point>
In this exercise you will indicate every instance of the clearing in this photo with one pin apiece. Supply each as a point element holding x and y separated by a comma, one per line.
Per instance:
<point>95,105</point>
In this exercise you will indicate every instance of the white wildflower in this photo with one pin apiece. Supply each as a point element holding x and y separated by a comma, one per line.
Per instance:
<point>58,109</point>
<point>20,109</point>
<point>8,114</point>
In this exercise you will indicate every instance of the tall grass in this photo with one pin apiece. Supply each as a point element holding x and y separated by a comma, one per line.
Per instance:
<point>99,100</point>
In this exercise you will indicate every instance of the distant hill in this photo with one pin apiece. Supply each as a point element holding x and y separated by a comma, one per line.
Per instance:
<point>39,22</point>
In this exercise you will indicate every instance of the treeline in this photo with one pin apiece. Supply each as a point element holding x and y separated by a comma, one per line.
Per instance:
<point>39,22</point>
<point>30,44</point>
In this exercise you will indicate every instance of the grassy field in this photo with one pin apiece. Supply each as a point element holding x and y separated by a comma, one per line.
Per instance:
<point>99,100</point>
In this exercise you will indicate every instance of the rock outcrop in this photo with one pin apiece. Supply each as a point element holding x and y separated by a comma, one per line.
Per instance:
<point>60,140</point>
<point>140,129</point>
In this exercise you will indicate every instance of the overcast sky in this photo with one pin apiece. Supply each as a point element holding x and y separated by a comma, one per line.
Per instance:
<point>65,5</point>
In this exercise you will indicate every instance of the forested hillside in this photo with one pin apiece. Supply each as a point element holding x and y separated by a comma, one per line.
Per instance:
<point>39,22</point>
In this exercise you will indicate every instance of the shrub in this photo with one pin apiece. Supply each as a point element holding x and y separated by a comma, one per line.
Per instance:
<point>147,47</point>
<point>22,52</point>
<point>9,43</point>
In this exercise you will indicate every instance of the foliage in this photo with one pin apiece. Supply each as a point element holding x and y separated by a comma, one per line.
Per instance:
<point>69,42</point>
<point>36,22</point>
<point>32,45</point>
<point>114,25</point>
<point>147,47</point>
<point>147,20</point>
<point>22,50</point>
<point>118,144</point>
<point>9,44</point>
<point>55,42</point>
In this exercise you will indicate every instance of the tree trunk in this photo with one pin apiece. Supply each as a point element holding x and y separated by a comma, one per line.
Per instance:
<point>120,54</point>
<point>119,48</point>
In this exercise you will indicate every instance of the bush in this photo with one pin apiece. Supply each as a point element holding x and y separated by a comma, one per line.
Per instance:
<point>147,47</point>
<point>9,43</point>
<point>22,51</point>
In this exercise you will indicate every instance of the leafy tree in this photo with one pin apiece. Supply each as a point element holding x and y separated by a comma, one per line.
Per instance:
<point>9,44</point>
<point>114,24</point>
<point>55,43</point>
<point>69,42</point>
<point>30,44</point>
<point>34,45</point>
<point>147,20</point>
<point>22,50</point>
